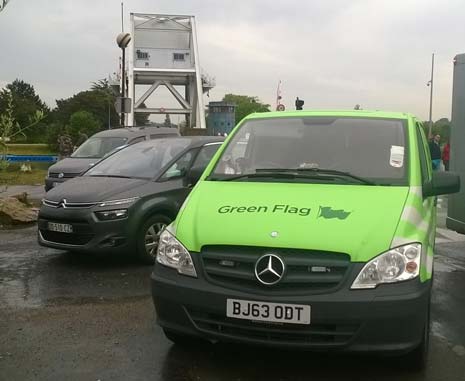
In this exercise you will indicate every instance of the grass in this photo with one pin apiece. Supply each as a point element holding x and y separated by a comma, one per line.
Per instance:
<point>21,178</point>
<point>29,149</point>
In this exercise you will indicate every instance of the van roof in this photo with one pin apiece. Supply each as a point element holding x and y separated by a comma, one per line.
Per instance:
<point>349,113</point>
<point>131,132</point>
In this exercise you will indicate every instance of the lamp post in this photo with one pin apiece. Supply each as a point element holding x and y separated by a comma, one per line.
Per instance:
<point>430,84</point>
<point>123,40</point>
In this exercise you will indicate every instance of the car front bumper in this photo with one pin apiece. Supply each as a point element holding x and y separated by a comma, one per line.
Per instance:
<point>388,319</point>
<point>89,233</point>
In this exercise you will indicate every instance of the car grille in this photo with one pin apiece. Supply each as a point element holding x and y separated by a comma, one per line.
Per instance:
<point>77,239</point>
<point>327,335</point>
<point>307,271</point>
<point>82,232</point>
<point>65,175</point>
<point>65,204</point>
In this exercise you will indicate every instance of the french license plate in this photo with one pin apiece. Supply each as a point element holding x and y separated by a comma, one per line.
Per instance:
<point>54,184</point>
<point>263,311</point>
<point>62,228</point>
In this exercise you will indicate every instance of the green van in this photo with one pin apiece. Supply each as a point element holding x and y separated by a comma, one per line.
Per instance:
<point>311,230</point>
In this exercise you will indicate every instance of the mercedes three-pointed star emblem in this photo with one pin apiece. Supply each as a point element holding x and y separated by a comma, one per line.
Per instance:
<point>269,269</point>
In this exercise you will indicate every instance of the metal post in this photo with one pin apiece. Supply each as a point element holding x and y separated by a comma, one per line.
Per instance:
<point>123,83</point>
<point>430,128</point>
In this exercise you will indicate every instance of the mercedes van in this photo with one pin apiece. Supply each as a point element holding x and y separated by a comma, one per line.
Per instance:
<point>308,229</point>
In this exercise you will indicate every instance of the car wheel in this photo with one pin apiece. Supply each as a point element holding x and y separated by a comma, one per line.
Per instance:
<point>149,235</point>
<point>417,359</point>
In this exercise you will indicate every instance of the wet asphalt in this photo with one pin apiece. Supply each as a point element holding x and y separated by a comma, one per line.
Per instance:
<point>78,317</point>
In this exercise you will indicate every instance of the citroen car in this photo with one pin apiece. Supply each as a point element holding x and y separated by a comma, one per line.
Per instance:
<point>99,145</point>
<point>311,230</point>
<point>124,202</point>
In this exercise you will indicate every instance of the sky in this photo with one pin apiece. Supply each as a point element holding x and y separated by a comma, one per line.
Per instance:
<point>331,53</point>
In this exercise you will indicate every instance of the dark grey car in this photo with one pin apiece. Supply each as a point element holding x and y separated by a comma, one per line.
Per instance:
<point>124,201</point>
<point>99,145</point>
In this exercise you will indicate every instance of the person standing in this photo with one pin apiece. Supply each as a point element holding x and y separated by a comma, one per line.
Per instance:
<point>65,145</point>
<point>82,137</point>
<point>446,155</point>
<point>435,152</point>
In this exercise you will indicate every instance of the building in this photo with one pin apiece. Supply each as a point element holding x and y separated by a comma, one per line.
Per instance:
<point>221,118</point>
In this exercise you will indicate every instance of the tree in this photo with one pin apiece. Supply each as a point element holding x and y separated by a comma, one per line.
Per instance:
<point>26,105</point>
<point>10,128</point>
<point>167,122</point>
<point>83,121</point>
<point>245,105</point>
<point>105,86</point>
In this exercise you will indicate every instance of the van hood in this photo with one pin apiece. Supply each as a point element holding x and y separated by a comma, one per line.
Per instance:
<point>72,165</point>
<point>358,220</point>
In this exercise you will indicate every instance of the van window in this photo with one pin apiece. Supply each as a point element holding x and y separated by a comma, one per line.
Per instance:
<point>424,165</point>
<point>205,155</point>
<point>372,148</point>
<point>98,147</point>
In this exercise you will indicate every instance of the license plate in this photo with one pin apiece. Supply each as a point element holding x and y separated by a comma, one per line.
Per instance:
<point>272,312</point>
<point>54,184</point>
<point>62,228</point>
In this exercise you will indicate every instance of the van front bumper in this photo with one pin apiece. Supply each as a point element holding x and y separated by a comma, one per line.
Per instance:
<point>388,319</point>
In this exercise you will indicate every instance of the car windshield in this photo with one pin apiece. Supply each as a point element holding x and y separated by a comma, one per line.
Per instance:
<point>141,160</point>
<point>98,147</point>
<point>337,149</point>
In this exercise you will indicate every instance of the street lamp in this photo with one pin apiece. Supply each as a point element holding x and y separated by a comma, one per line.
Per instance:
<point>123,40</point>
<point>430,84</point>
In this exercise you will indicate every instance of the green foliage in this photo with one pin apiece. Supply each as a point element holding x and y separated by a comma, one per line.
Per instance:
<point>97,102</point>
<point>441,127</point>
<point>245,105</point>
<point>85,122</point>
<point>28,110</point>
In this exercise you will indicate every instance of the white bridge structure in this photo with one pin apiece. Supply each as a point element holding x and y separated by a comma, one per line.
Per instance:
<point>164,52</point>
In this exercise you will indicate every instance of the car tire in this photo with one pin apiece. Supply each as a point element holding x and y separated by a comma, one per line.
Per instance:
<point>417,359</point>
<point>178,338</point>
<point>147,241</point>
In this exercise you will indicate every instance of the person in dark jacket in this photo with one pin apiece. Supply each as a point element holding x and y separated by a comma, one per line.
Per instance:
<point>435,152</point>
<point>446,156</point>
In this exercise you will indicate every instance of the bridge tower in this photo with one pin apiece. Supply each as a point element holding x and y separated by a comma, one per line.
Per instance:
<point>164,52</point>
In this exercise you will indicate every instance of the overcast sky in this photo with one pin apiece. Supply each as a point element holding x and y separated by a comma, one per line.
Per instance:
<point>332,54</point>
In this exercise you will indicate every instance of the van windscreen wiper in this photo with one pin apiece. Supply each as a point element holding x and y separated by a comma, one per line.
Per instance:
<point>331,172</point>
<point>267,174</point>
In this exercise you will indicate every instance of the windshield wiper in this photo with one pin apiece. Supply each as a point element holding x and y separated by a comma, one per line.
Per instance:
<point>264,174</point>
<point>322,171</point>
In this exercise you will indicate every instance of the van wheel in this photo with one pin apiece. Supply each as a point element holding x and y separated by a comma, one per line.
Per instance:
<point>418,358</point>
<point>147,242</point>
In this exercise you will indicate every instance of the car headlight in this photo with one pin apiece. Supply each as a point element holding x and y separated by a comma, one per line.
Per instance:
<point>395,265</point>
<point>124,201</point>
<point>107,215</point>
<point>172,253</point>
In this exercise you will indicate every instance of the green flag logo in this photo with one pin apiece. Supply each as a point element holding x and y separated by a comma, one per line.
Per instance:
<point>328,213</point>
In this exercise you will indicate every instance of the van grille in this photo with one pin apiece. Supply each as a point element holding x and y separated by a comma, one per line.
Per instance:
<point>322,335</point>
<point>307,271</point>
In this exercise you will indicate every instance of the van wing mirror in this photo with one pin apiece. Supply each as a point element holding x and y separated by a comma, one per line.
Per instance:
<point>194,174</point>
<point>442,183</point>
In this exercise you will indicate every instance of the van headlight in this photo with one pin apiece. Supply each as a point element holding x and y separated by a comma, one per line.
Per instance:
<point>172,253</point>
<point>395,265</point>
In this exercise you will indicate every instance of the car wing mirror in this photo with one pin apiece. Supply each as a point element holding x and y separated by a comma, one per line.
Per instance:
<point>442,183</point>
<point>194,174</point>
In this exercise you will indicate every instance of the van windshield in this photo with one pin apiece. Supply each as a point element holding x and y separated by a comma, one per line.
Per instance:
<point>98,147</point>
<point>321,149</point>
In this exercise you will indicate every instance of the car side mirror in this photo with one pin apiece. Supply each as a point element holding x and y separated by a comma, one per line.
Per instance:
<point>194,174</point>
<point>442,183</point>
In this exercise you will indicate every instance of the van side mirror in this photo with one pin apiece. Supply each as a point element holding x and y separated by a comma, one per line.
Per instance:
<point>442,183</point>
<point>194,174</point>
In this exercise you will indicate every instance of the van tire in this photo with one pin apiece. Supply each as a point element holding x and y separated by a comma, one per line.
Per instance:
<point>147,238</point>
<point>417,359</point>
